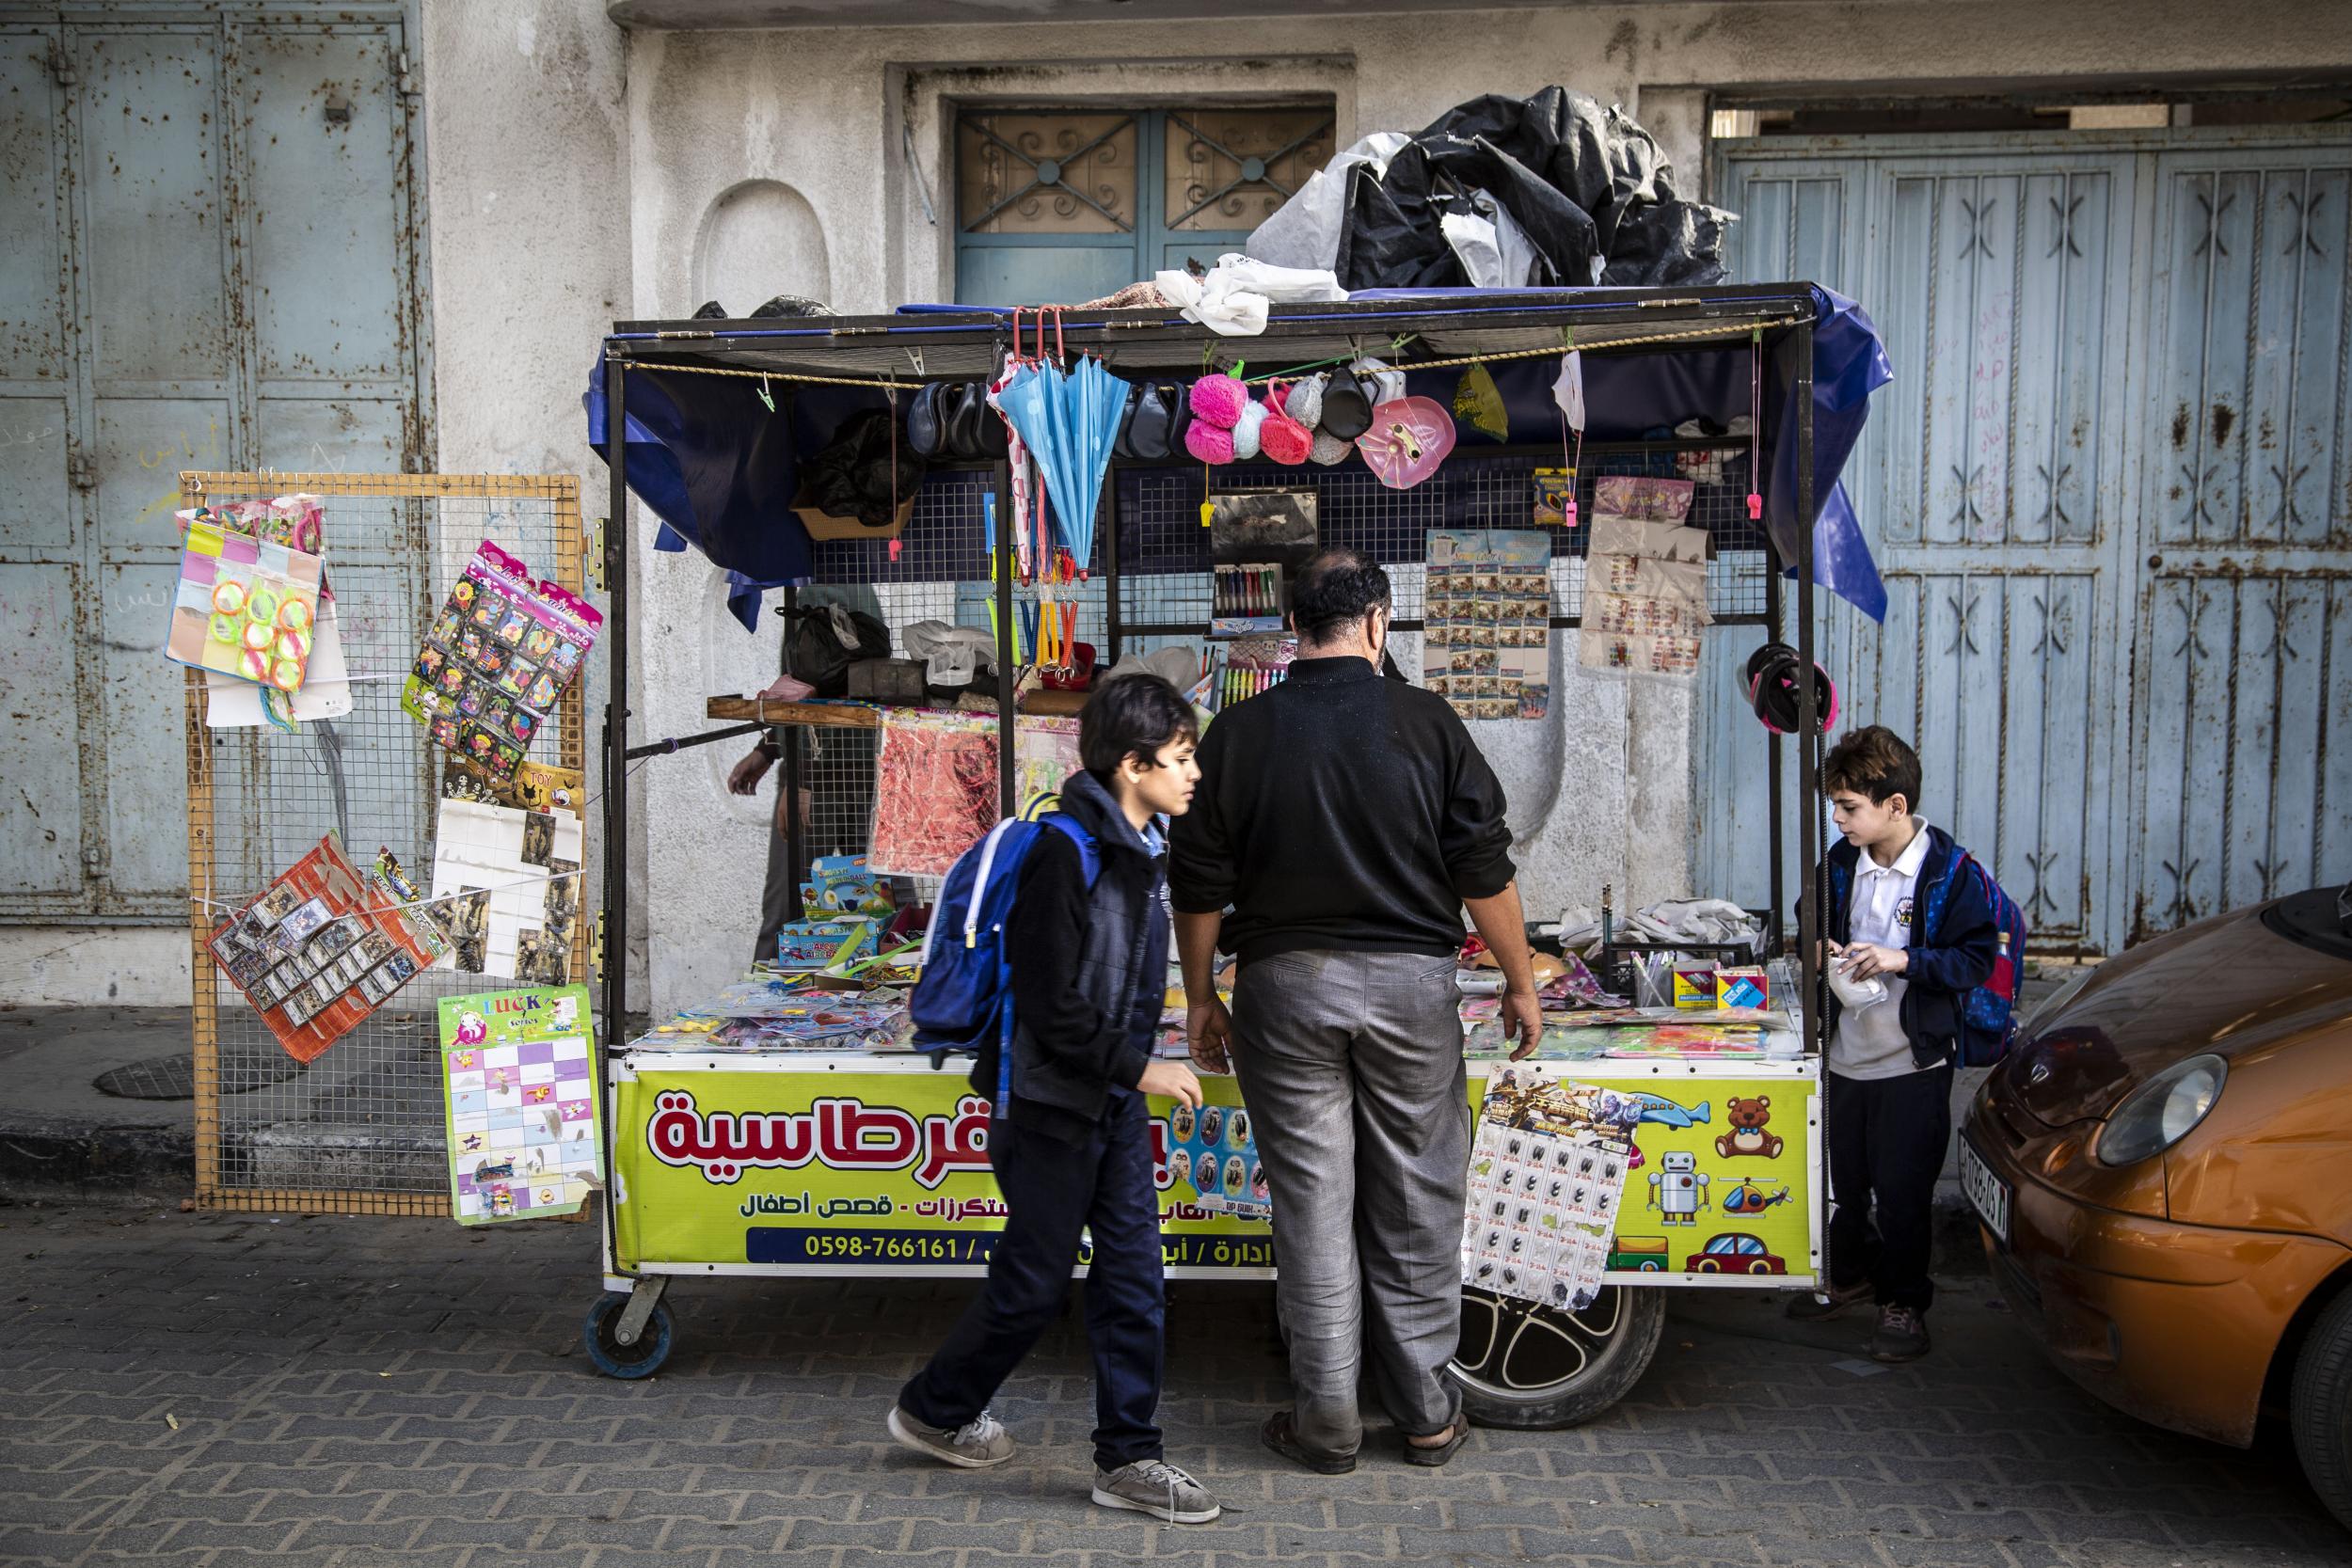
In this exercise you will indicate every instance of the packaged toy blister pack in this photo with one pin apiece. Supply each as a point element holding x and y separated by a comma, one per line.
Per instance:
<point>324,947</point>
<point>497,659</point>
<point>245,607</point>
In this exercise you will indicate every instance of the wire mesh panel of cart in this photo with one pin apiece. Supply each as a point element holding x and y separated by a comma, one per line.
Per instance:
<point>940,573</point>
<point>1164,569</point>
<point>360,1130</point>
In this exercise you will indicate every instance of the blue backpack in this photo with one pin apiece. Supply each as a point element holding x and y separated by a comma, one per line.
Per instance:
<point>967,986</point>
<point>1988,1013</point>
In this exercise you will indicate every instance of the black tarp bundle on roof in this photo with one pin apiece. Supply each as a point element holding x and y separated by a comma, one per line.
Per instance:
<point>1587,186</point>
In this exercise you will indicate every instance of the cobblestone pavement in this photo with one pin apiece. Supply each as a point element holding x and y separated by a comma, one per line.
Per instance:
<point>192,1389</point>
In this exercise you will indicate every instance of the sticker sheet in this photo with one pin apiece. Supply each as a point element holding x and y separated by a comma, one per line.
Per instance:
<point>244,607</point>
<point>520,868</point>
<point>322,948</point>
<point>497,659</point>
<point>519,1085</point>
<point>1486,629</point>
<point>1646,584</point>
<point>1213,1150</point>
<point>1547,1177</point>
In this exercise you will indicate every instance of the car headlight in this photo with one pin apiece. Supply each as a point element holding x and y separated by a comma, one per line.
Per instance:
<point>2163,1111</point>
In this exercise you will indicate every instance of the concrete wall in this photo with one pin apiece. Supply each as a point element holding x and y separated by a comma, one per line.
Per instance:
<point>526,176</point>
<point>793,147</point>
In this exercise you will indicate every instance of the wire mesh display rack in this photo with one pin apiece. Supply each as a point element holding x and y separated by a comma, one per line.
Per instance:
<point>358,1129</point>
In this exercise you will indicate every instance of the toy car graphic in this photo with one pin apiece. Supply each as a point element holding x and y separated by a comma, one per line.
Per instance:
<point>1735,1252</point>
<point>1639,1254</point>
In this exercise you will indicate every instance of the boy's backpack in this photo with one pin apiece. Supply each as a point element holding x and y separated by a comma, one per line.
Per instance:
<point>1988,1013</point>
<point>967,986</point>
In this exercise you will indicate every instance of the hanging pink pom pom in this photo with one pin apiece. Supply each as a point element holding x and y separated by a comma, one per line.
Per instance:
<point>1218,400</point>
<point>1208,443</point>
<point>1283,439</point>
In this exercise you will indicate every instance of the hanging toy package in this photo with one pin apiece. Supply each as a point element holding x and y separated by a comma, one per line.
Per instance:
<point>1646,584</point>
<point>497,660</point>
<point>245,607</point>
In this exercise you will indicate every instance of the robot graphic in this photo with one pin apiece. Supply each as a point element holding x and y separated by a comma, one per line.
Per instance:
<point>1678,1190</point>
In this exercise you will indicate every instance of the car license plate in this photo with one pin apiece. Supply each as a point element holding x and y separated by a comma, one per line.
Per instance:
<point>1987,1192</point>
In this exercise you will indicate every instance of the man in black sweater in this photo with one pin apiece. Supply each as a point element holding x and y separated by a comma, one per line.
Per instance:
<point>1343,821</point>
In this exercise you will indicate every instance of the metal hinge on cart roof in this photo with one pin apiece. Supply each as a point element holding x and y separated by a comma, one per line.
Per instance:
<point>596,553</point>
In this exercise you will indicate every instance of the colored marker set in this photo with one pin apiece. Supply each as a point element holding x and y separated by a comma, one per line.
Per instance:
<point>1240,681</point>
<point>1249,589</point>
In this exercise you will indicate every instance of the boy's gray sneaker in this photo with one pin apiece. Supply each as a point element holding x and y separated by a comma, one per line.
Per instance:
<point>976,1445</point>
<point>1156,1487</point>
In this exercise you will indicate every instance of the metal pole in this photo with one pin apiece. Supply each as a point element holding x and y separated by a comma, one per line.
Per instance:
<point>1005,523</point>
<point>615,765</point>
<point>1106,529</point>
<point>795,761</point>
<point>1811,911</point>
<point>1779,933</point>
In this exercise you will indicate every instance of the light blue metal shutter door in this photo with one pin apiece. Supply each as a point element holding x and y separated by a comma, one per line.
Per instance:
<point>1988,484</point>
<point>41,567</point>
<point>197,270</point>
<point>2245,606</point>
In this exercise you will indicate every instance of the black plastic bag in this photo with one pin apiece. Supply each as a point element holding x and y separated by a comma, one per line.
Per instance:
<point>813,650</point>
<point>853,475</point>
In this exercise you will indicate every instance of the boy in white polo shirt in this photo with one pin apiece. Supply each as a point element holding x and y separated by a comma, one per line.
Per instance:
<point>1889,1087</point>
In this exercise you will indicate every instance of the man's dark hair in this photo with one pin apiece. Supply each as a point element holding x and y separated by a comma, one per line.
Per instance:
<point>1132,715</point>
<point>1873,762</point>
<point>1333,590</point>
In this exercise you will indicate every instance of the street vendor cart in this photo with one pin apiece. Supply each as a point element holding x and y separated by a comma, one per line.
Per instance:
<point>785,1127</point>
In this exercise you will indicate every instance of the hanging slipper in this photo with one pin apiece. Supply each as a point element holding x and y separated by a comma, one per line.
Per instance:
<point>962,406</point>
<point>1282,438</point>
<point>923,425</point>
<point>1346,406</point>
<point>995,435</point>
<point>1280,1434</point>
<point>1180,415</point>
<point>1329,450</point>
<point>1145,435</point>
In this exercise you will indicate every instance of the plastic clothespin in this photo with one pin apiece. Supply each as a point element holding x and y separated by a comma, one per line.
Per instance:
<point>766,396</point>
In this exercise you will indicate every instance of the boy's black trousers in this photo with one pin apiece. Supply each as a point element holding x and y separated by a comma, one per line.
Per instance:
<point>1053,1189</point>
<point>1888,1138</point>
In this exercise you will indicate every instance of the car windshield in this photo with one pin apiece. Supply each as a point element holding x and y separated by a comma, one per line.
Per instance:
<point>2320,919</point>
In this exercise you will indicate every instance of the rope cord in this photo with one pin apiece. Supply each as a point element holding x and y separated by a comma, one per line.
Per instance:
<point>1696,334</point>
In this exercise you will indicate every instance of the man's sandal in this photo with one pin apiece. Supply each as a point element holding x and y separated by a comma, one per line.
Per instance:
<point>1432,1455</point>
<point>1278,1434</point>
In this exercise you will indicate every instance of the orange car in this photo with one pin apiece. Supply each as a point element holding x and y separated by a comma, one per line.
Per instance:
<point>2163,1172</point>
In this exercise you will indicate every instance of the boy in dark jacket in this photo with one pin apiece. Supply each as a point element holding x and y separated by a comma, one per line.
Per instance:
<point>1073,1148</point>
<point>1889,1087</point>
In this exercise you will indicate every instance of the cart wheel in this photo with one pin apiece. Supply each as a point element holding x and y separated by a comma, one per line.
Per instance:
<point>615,1359</point>
<point>1529,1367</point>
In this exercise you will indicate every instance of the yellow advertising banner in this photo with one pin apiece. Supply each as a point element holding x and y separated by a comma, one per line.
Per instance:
<point>850,1172</point>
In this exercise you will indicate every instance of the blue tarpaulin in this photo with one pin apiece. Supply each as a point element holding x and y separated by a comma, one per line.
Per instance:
<point>719,470</point>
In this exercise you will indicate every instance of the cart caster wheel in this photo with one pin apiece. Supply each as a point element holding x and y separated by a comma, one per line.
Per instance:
<point>615,1359</point>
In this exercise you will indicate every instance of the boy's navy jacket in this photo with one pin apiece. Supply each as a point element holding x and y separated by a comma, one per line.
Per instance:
<point>1944,964</point>
<point>1089,968</point>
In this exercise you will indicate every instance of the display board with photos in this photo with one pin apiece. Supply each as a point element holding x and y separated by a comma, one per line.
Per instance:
<point>1487,627</point>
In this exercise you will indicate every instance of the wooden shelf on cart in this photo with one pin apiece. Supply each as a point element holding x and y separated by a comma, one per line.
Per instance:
<point>862,716</point>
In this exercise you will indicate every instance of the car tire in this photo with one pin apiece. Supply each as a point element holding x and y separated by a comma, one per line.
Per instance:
<point>2322,1407</point>
<point>1527,1368</point>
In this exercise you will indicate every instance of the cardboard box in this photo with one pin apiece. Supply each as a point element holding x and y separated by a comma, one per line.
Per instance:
<point>1695,986</point>
<point>806,945</point>
<point>888,680</point>
<point>1742,988</point>
<point>823,524</point>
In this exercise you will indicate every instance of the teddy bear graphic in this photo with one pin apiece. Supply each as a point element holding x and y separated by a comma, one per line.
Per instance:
<point>1747,1135</point>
